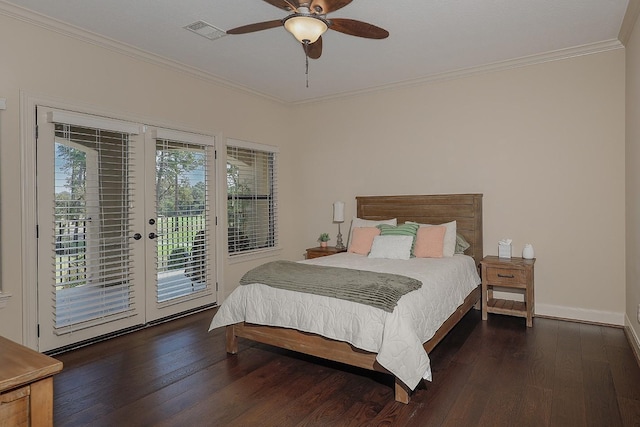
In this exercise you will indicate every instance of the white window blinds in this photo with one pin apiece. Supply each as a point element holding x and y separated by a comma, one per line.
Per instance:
<point>184,249</point>
<point>91,281</point>
<point>252,204</point>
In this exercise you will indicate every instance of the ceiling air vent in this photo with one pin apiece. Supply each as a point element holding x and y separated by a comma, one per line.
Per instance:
<point>205,30</point>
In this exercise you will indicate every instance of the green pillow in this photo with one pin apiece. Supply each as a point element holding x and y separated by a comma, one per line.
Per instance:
<point>406,229</point>
<point>461,244</point>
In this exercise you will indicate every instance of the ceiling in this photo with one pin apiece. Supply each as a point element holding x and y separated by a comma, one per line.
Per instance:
<point>428,39</point>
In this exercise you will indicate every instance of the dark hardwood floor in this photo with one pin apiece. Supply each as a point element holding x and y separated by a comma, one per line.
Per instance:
<point>493,373</point>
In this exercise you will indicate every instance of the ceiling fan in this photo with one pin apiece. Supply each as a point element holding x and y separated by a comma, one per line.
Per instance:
<point>308,21</point>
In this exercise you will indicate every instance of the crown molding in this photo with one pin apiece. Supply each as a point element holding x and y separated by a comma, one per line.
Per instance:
<point>68,30</point>
<point>524,61</point>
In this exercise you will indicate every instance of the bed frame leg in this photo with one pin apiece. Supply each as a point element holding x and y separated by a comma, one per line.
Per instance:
<point>402,392</point>
<point>232,340</point>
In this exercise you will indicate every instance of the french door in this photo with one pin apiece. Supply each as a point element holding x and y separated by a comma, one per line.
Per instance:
<point>181,230</point>
<point>126,225</point>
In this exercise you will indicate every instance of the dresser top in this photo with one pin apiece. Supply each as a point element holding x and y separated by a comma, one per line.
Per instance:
<point>512,262</point>
<point>20,365</point>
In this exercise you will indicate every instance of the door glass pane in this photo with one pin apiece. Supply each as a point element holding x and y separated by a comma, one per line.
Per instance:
<point>181,206</point>
<point>91,227</point>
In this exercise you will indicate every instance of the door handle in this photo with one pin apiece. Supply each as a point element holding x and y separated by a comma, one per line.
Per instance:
<point>152,235</point>
<point>137,236</point>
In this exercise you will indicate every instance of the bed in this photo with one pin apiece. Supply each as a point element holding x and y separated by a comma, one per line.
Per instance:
<point>465,209</point>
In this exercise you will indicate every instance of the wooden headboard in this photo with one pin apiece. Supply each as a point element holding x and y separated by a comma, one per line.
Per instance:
<point>466,209</point>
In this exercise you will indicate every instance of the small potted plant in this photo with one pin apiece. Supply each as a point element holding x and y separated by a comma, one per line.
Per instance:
<point>323,239</point>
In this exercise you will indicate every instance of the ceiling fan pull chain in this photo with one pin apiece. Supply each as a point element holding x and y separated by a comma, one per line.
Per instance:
<point>307,69</point>
<point>306,59</point>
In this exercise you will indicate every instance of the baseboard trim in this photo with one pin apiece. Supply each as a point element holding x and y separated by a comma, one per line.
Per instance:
<point>632,337</point>
<point>580,314</point>
<point>115,334</point>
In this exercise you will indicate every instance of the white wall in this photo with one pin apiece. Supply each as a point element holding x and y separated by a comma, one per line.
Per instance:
<point>633,183</point>
<point>544,144</point>
<point>49,64</point>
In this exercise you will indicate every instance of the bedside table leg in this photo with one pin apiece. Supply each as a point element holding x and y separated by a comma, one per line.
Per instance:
<point>530,305</point>
<point>484,293</point>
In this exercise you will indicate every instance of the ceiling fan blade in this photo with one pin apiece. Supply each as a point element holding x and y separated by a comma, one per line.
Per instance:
<point>314,50</point>
<point>358,28</point>
<point>325,6</point>
<point>255,27</point>
<point>288,5</point>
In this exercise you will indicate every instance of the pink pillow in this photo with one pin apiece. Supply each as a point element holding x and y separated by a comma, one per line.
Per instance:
<point>362,239</point>
<point>430,241</point>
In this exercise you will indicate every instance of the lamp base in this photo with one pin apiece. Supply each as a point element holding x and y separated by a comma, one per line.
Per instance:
<point>339,244</point>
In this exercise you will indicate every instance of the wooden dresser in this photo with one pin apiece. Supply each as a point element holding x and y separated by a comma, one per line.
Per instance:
<point>26,385</point>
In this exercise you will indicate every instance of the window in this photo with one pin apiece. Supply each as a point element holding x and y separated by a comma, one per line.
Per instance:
<point>252,205</point>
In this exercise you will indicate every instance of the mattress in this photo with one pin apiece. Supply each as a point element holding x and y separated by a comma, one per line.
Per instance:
<point>396,337</point>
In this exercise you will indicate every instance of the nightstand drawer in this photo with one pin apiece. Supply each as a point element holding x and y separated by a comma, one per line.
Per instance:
<point>506,276</point>
<point>315,254</point>
<point>319,251</point>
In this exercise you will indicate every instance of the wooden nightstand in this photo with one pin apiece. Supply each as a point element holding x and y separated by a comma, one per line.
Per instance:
<point>505,273</point>
<point>317,252</point>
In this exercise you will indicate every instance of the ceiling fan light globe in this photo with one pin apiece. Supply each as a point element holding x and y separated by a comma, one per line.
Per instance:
<point>306,28</point>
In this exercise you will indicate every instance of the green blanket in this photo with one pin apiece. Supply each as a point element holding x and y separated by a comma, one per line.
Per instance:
<point>380,290</point>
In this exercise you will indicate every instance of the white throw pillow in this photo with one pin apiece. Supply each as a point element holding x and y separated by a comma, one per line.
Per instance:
<point>391,247</point>
<point>358,222</point>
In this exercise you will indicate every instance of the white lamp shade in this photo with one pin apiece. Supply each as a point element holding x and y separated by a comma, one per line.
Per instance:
<point>305,28</point>
<point>338,212</point>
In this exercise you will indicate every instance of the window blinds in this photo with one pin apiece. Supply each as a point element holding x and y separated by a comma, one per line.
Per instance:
<point>183,249</point>
<point>251,199</point>
<point>91,226</point>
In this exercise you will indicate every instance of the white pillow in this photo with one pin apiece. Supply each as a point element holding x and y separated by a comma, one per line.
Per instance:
<point>391,247</point>
<point>449,247</point>
<point>358,222</point>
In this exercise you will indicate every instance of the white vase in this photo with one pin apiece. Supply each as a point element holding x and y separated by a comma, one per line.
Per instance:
<point>527,252</point>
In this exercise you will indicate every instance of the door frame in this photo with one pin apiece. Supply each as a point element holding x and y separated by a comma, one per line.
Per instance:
<point>28,191</point>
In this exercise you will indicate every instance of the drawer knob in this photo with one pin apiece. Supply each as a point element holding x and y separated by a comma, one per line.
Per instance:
<point>506,276</point>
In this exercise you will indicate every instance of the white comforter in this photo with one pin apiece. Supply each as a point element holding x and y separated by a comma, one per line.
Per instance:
<point>396,337</point>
